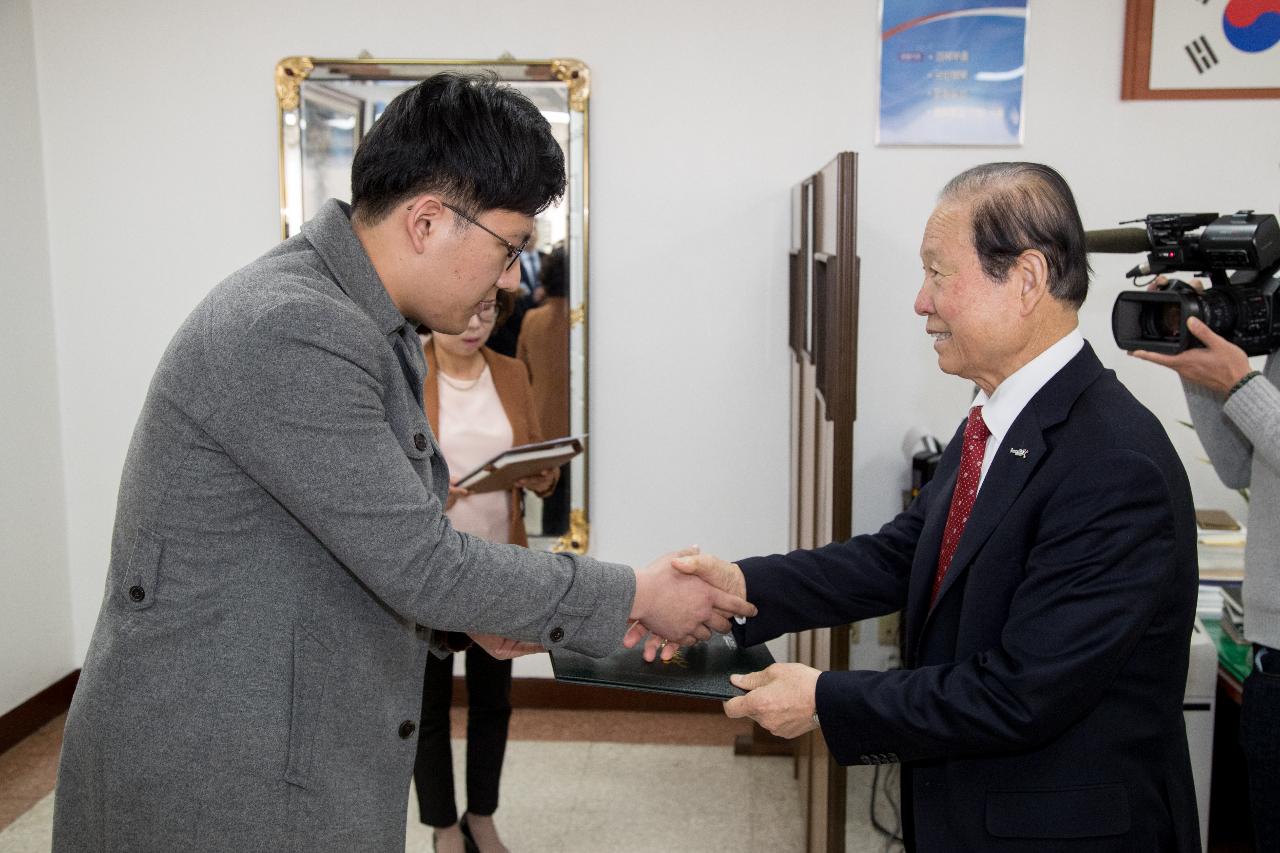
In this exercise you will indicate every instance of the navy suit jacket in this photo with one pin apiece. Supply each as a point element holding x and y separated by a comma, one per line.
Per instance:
<point>1040,704</point>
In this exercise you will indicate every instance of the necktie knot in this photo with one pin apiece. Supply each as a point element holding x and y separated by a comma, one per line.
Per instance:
<point>976,428</point>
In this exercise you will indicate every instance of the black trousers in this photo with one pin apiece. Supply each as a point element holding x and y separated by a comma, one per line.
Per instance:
<point>488,713</point>
<point>1260,742</point>
<point>555,506</point>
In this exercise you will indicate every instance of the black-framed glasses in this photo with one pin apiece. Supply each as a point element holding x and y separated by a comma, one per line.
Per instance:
<point>513,251</point>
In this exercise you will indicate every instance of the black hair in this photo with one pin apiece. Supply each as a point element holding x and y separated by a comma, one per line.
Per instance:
<point>506,304</point>
<point>481,144</point>
<point>1021,206</point>
<point>554,275</point>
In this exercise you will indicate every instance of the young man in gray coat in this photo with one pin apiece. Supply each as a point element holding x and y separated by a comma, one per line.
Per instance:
<point>280,544</point>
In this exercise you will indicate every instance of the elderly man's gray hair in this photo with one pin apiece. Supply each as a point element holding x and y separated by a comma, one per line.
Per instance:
<point>1021,206</point>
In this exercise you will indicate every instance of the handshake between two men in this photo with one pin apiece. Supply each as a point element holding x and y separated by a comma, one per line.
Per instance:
<point>684,598</point>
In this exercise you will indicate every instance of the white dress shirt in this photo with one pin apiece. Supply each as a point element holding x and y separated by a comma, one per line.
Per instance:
<point>1011,396</point>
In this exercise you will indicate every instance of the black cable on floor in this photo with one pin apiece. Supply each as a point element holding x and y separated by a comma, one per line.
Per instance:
<point>892,835</point>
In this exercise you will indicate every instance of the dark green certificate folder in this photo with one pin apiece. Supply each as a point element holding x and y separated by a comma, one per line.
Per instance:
<point>702,670</point>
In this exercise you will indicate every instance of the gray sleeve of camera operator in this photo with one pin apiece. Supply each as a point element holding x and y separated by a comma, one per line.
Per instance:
<point>1249,422</point>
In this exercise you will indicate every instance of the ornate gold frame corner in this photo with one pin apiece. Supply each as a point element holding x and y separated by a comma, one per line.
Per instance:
<point>290,72</point>
<point>578,539</point>
<point>575,73</point>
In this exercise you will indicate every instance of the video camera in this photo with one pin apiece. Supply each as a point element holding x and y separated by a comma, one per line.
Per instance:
<point>1243,307</point>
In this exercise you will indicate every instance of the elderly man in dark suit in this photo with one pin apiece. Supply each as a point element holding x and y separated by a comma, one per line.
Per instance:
<point>1047,574</point>
<point>280,546</point>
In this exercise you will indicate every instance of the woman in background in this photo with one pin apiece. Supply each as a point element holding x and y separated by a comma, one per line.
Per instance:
<point>543,346</point>
<point>479,404</point>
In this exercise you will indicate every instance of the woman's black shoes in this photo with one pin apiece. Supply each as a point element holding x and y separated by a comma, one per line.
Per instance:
<point>467,840</point>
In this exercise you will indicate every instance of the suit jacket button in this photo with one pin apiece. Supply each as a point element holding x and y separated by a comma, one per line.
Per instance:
<point>420,441</point>
<point>137,593</point>
<point>557,634</point>
<point>407,728</point>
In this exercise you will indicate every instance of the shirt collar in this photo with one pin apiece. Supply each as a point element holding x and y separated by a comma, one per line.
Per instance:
<point>1001,408</point>
<point>334,239</point>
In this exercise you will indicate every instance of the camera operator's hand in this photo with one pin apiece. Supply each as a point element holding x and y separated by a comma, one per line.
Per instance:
<point>1160,281</point>
<point>1218,365</point>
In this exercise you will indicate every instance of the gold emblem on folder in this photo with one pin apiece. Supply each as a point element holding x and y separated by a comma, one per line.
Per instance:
<point>678,659</point>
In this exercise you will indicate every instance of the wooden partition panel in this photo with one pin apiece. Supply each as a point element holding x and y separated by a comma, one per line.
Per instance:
<point>822,331</point>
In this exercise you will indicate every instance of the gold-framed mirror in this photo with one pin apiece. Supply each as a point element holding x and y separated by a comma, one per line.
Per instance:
<point>326,105</point>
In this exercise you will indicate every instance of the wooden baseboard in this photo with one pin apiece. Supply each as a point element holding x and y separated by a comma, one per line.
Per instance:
<point>36,711</point>
<point>549,693</point>
<point>762,742</point>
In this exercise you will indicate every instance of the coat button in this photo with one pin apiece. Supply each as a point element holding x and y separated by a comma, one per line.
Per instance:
<point>407,728</point>
<point>420,441</point>
<point>137,593</point>
<point>557,634</point>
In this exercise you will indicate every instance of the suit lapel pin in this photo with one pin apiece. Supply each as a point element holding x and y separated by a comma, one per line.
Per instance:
<point>1020,452</point>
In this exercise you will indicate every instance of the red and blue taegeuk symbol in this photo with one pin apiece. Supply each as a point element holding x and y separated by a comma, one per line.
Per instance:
<point>1252,25</point>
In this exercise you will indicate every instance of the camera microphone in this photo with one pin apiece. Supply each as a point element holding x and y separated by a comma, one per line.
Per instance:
<point>1117,241</point>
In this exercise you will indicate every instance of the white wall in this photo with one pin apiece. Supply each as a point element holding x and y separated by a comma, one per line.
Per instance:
<point>35,625</point>
<point>159,134</point>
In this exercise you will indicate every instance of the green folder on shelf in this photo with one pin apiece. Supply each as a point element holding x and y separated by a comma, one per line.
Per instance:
<point>702,670</point>
<point>1234,657</point>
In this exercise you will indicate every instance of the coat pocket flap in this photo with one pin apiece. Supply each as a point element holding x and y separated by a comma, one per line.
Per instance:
<point>1083,812</point>
<point>311,661</point>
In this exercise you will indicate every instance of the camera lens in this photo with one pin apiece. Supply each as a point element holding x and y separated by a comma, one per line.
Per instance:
<point>1169,321</point>
<point>1161,320</point>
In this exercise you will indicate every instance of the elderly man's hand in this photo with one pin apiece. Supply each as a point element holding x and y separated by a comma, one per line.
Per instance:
<point>782,698</point>
<point>715,571</point>
<point>719,573</point>
<point>679,608</point>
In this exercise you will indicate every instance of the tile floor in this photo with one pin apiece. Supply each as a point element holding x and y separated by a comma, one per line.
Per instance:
<point>627,788</point>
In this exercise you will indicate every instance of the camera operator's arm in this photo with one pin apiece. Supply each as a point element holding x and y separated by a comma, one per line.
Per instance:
<point>1254,413</point>
<point>1248,421</point>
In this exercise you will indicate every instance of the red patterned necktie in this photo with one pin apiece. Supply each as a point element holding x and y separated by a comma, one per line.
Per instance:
<point>966,491</point>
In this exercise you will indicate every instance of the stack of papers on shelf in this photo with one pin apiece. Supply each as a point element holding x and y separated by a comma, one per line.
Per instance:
<point>1220,543</point>
<point>1217,528</point>
<point>1233,613</point>
<point>1221,564</point>
<point>1209,602</point>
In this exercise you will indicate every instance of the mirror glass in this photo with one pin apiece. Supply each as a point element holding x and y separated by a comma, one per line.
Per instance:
<point>326,105</point>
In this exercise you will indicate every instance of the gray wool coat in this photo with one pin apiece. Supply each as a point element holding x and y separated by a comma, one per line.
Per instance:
<point>255,675</point>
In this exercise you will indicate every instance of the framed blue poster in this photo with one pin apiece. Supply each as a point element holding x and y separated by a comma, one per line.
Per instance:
<point>951,72</point>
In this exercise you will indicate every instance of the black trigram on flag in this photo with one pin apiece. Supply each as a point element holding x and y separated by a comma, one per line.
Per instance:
<point>1202,56</point>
